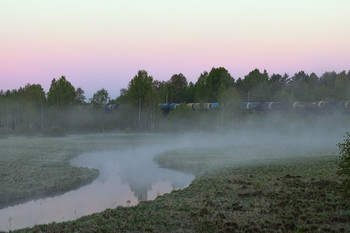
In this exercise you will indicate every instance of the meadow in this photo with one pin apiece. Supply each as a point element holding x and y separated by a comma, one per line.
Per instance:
<point>265,186</point>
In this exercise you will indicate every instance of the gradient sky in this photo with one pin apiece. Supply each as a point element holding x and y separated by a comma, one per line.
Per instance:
<point>103,43</point>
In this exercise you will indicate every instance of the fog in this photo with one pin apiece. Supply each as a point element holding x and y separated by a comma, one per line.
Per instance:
<point>315,131</point>
<point>129,175</point>
<point>266,139</point>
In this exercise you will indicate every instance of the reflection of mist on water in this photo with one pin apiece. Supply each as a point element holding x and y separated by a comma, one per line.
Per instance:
<point>135,168</point>
<point>126,177</point>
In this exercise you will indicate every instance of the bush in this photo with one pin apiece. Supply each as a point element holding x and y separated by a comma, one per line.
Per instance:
<point>344,163</point>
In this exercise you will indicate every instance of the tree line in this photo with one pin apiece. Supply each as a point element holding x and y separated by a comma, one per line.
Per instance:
<point>64,107</point>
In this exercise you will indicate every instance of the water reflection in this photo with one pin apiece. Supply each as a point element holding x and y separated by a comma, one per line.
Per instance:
<point>126,177</point>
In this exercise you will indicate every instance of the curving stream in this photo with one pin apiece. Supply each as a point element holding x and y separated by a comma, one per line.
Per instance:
<point>126,177</point>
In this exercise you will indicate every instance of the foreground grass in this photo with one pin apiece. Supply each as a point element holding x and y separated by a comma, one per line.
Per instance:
<point>285,195</point>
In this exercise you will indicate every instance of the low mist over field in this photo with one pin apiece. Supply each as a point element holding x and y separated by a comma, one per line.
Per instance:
<point>272,129</point>
<point>133,166</point>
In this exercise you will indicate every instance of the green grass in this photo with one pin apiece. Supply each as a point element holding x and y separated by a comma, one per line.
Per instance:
<point>298,192</point>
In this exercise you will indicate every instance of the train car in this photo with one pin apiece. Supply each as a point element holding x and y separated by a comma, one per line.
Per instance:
<point>190,105</point>
<point>335,105</point>
<point>308,106</point>
<point>196,106</point>
<point>164,107</point>
<point>172,106</point>
<point>206,106</point>
<point>244,105</point>
<point>257,106</point>
<point>321,104</point>
<point>268,105</point>
<point>214,105</point>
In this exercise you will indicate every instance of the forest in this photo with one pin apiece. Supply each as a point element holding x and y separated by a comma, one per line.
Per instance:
<point>65,109</point>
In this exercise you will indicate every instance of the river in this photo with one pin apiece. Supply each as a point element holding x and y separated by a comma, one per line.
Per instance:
<point>126,177</point>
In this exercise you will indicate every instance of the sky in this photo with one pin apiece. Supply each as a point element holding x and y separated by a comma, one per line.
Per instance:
<point>99,44</point>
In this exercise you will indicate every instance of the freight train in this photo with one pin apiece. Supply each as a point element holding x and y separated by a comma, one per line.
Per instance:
<point>299,106</point>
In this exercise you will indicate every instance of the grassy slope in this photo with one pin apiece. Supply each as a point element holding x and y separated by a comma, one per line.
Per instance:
<point>279,195</point>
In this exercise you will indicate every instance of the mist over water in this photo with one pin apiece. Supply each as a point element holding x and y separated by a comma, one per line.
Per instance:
<point>126,177</point>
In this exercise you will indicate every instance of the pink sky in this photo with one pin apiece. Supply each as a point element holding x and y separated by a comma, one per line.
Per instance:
<point>99,45</point>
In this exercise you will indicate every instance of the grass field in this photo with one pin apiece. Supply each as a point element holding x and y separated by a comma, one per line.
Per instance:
<point>277,188</point>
